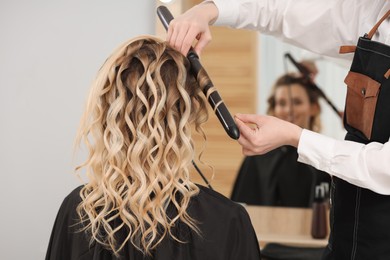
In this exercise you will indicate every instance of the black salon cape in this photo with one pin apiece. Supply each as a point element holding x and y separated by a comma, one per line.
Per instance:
<point>227,233</point>
<point>277,179</point>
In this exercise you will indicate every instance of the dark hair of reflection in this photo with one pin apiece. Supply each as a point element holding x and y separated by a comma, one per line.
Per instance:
<point>137,127</point>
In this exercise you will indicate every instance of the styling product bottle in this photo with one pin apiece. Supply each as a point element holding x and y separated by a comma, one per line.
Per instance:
<point>319,227</point>
<point>326,193</point>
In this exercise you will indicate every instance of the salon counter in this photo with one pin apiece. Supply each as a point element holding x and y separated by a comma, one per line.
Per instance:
<point>290,226</point>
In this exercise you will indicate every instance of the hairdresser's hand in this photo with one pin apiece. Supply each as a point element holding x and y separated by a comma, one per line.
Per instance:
<point>193,24</point>
<point>265,133</point>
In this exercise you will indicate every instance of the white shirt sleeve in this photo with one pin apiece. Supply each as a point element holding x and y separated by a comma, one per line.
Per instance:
<point>320,26</point>
<point>367,166</point>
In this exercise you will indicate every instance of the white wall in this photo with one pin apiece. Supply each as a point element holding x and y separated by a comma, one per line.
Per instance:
<point>50,51</point>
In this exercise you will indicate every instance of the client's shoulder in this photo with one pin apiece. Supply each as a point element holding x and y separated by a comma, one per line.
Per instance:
<point>72,200</point>
<point>216,201</point>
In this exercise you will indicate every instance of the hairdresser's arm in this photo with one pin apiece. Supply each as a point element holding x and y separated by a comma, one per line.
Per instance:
<point>320,26</point>
<point>367,166</point>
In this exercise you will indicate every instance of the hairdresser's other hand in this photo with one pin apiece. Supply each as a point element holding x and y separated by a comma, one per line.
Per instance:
<point>193,24</point>
<point>261,134</point>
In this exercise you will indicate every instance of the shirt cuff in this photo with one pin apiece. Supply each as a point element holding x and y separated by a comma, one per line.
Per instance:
<point>228,12</point>
<point>316,150</point>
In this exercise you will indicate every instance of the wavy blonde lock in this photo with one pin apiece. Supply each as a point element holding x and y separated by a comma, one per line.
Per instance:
<point>137,128</point>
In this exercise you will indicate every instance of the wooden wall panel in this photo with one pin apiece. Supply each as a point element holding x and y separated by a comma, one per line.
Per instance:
<point>230,60</point>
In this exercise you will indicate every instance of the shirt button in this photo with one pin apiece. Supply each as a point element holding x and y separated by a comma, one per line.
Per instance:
<point>363,91</point>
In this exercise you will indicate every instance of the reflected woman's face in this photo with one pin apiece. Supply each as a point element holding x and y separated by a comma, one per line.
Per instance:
<point>296,109</point>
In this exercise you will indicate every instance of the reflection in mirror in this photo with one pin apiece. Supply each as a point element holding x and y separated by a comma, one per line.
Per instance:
<point>277,179</point>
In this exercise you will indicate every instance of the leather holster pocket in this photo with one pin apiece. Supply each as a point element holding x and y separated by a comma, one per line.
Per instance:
<point>362,95</point>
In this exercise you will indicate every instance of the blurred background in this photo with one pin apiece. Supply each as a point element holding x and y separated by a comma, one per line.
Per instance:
<point>50,52</point>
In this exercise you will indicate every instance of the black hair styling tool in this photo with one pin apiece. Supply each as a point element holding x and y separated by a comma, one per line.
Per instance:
<point>306,74</point>
<point>201,175</point>
<point>213,97</point>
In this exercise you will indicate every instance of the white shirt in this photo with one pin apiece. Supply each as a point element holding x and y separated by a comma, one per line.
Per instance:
<point>322,26</point>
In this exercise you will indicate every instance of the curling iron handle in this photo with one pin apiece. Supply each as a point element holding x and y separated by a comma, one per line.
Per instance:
<point>164,15</point>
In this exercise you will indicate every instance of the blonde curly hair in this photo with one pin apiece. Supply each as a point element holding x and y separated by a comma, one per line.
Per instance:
<point>137,128</point>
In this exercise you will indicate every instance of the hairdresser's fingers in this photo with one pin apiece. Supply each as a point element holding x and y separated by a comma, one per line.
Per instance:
<point>189,38</point>
<point>191,25</point>
<point>249,118</point>
<point>178,31</point>
<point>245,131</point>
<point>203,40</point>
<point>185,35</point>
<point>181,36</point>
<point>247,134</point>
<point>251,133</point>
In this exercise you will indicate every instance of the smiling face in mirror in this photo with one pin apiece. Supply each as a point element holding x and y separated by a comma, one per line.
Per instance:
<point>292,100</point>
<point>296,109</point>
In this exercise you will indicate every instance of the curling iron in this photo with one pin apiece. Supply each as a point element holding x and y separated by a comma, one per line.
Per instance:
<point>306,74</point>
<point>214,98</point>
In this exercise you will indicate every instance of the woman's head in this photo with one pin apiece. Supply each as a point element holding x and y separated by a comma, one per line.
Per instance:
<point>137,127</point>
<point>294,100</point>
